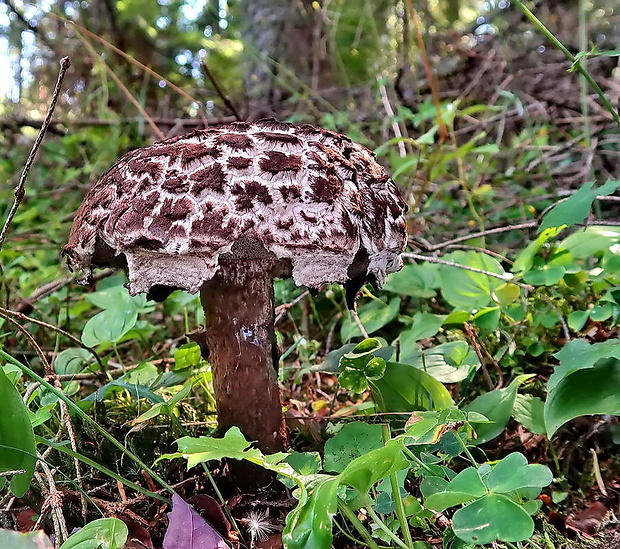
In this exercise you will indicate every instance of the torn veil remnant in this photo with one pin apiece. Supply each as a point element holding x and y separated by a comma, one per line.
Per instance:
<point>224,211</point>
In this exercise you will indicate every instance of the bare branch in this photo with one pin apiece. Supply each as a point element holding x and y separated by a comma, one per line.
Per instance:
<point>20,191</point>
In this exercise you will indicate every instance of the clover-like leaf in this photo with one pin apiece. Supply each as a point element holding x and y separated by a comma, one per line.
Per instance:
<point>491,518</point>
<point>514,473</point>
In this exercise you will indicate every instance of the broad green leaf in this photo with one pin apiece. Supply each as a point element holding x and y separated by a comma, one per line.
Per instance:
<point>353,380</point>
<point>591,241</point>
<point>529,411</point>
<point>105,533</point>
<point>373,316</point>
<point>109,325</point>
<point>72,360</point>
<point>353,440</point>
<point>414,280</point>
<point>364,471</point>
<point>424,325</point>
<point>578,355</point>
<point>31,540</point>
<point>305,463</point>
<point>584,392</point>
<point>491,518</point>
<point>488,318</point>
<point>469,290</point>
<point>309,525</point>
<point>514,473</point>
<point>497,406</point>
<point>404,388</point>
<point>17,447</point>
<point>547,275</point>
<point>449,362</point>
<point>576,208</point>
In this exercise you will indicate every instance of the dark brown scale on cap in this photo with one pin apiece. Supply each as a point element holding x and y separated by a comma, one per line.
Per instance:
<point>326,189</point>
<point>148,168</point>
<point>278,138</point>
<point>239,126</point>
<point>212,177</point>
<point>237,141</point>
<point>238,162</point>
<point>197,151</point>
<point>175,182</point>
<point>273,124</point>
<point>310,217</point>
<point>285,223</point>
<point>277,162</point>
<point>290,192</point>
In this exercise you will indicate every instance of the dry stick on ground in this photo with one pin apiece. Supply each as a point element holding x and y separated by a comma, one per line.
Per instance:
<point>20,189</point>
<point>220,91</point>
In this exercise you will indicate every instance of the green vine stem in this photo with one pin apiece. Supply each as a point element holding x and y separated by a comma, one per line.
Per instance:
<point>357,523</point>
<point>576,63</point>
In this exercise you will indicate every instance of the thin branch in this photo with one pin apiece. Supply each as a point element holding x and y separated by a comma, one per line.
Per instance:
<point>20,189</point>
<point>220,91</point>
<point>507,277</point>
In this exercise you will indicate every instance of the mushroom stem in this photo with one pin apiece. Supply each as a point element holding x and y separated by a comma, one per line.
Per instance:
<point>239,322</point>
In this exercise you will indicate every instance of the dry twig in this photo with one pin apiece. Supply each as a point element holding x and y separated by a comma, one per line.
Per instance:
<point>20,189</point>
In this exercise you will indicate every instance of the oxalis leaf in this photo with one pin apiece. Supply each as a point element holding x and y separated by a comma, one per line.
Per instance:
<point>514,473</point>
<point>17,447</point>
<point>491,518</point>
<point>188,530</point>
<point>576,208</point>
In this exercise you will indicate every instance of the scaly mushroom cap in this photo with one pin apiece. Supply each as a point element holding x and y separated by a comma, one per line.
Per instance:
<point>309,196</point>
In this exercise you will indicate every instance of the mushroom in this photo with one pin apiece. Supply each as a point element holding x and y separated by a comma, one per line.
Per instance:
<point>225,210</point>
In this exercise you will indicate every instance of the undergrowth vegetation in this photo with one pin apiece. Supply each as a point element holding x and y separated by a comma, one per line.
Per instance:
<point>471,401</point>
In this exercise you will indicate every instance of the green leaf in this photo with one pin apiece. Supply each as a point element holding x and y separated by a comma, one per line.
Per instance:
<point>449,362</point>
<point>404,388</point>
<point>547,275</point>
<point>72,361</point>
<point>353,440</point>
<point>578,355</point>
<point>424,325</point>
<point>584,392</point>
<point>331,362</point>
<point>414,280</point>
<point>497,406</point>
<point>577,320</point>
<point>525,259</point>
<point>469,290</point>
<point>491,518</point>
<point>507,293</point>
<point>187,355</point>
<point>529,411</point>
<point>464,487</point>
<point>17,447</point>
<point>110,325</point>
<point>105,533</point>
<point>203,449</point>
<point>373,316</point>
<point>31,540</point>
<point>576,208</point>
<point>377,464</point>
<point>591,241</point>
<point>514,473</point>
<point>353,380</point>
<point>305,463</point>
<point>164,407</point>
<point>309,525</point>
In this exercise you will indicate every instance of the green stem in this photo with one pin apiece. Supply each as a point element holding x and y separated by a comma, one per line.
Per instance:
<point>467,451</point>
<point>357,523</point>
<point>399,506</point>
<point>382,525</point>
<point>577,64</point>
<point>418,461</point>
<point>84,416</point>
